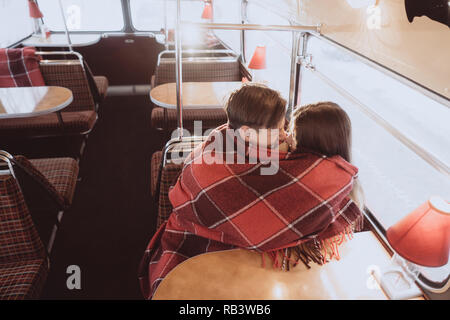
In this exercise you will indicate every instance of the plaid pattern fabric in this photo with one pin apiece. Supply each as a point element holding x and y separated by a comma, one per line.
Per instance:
<point>199,71</point>
<point>154,169</point>
<point>211,118</point>
<point>23,263</point>
<point>19,68</point>
<point>224,206</point>
<point>169,175</point>
<point>72,76</point>
<point>34,173</point>
<point>22,280</point>
<point>61,174</point>
<point>102,84</point>
<point>76,123</point>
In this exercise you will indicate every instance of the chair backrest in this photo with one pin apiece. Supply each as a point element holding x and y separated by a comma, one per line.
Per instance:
<point>70,74</point>
<point>39,193</point>
<point>169,176</point>
<point>199,71</point>
<point>169,171</point>
<point>19,239</point>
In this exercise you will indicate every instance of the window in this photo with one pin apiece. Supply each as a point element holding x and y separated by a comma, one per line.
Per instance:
<point>278,48</point>
<point>228,11</point>
<point>395,179</point>
<point>151,15</point>
<point>83,15</point>
<point>16,23</point>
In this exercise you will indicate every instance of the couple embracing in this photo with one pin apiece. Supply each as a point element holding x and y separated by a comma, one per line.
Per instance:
<point>292,195</point>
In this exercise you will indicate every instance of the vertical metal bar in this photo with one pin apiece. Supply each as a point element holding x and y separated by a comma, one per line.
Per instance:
<point>293,77</point>
<point>179,72</point>
<point>69,42</point>
<point>166,32</point>
<point>244,4</point>
<point>303,54</point>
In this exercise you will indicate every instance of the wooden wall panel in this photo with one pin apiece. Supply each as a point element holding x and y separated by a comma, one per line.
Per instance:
<point>419,50</point>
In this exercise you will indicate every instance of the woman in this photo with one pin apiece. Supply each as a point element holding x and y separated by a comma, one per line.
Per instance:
<point>227,198</point>
<point>325,128</point>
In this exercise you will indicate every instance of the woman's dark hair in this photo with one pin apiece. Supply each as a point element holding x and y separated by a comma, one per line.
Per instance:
<point>255,106</point>
<point>323,127</point>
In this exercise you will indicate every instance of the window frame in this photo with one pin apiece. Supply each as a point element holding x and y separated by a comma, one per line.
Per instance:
<point>370,216</point>
<point>123,30</point>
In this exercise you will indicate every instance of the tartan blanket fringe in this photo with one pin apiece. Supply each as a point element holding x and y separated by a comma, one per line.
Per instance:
<point>315,251</point>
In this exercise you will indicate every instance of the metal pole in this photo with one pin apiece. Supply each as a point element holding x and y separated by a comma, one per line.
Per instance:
<point>179,72</point>
<point>293,76</point>
<point>303,53</point>
<point>166,32</point>
<point>262,27</point>
<point>244,4</point>
<point>65,26</point>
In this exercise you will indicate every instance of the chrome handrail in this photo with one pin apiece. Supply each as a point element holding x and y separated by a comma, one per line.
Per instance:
<point>251,26</point>
<point>197,51</point>
<point>63,53</point>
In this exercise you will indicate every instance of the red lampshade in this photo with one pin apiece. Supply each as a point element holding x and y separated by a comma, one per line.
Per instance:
<point>423,236</point>
<point>34,10</point>
<point>258,60</point>
<point>207,11</point>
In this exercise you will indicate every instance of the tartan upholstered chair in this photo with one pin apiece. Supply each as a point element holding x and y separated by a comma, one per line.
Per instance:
<point>79,118</point>
<point>163,177</point>
<point>210,69</point>
<point>48,187</point>
<point>23,259</point>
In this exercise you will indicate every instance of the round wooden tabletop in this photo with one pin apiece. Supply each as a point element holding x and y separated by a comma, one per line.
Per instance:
<point>19,102</point>
<point>238,274</point>
<point>196,95</point>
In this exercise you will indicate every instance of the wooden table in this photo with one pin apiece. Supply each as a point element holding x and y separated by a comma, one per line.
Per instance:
<point>60,40</point>
<point>196,95</point>
<point>33,101</point>
<point>238,274</point>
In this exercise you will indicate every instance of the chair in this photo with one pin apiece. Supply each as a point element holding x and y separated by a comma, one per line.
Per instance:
<point>208,68</point>
<point>163,177</point>
<point>78,119</point>
<point>23,259</point>
<point>48,186</point>
<point>165,172</point>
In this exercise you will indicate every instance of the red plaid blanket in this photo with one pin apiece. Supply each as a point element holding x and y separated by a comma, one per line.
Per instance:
<point>20,68</point>
<point>224,206</point>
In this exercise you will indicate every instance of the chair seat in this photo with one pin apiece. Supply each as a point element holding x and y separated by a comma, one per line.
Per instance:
<point>102,85</point>
<point>62,173</point>
<point>22,280</point>
<point>211,118</point>
<point>78,123</point>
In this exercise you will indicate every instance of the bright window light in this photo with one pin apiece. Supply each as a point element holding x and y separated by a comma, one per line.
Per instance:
<point>15,21</point>
<point>83,15</point>
<point>394,178</point>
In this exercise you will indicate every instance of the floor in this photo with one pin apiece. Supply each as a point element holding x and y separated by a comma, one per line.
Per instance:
<point>112,217</point>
